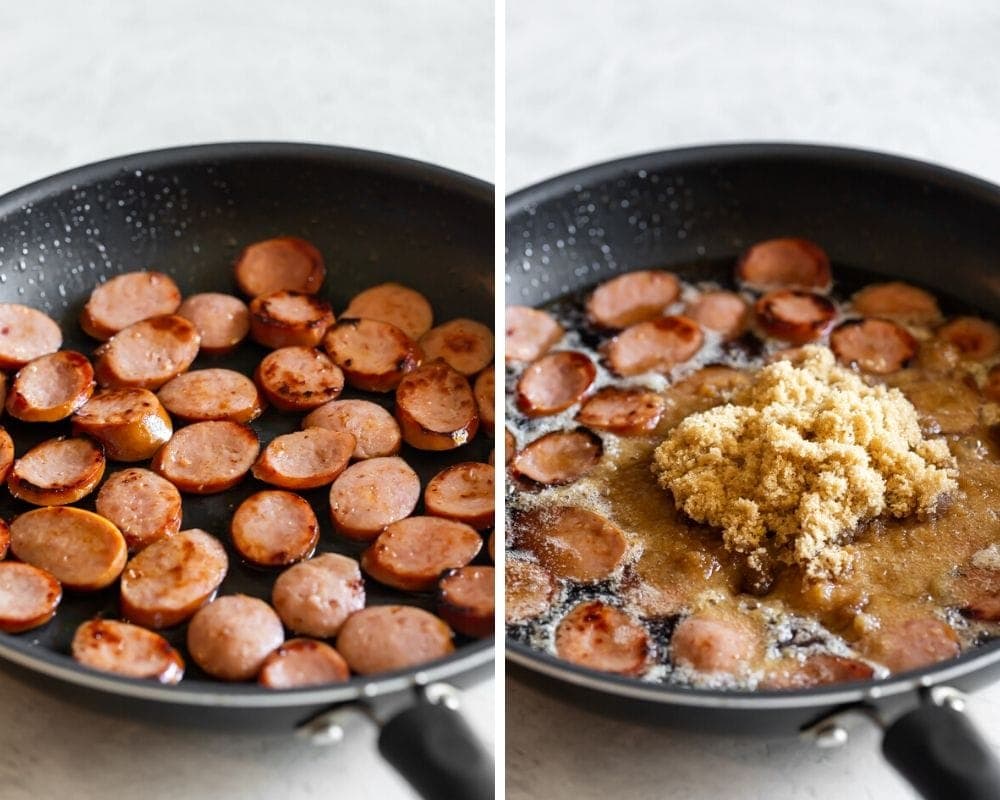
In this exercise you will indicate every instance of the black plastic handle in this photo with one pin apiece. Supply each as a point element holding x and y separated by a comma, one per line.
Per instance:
<point>433,747</point>
<point>942,755</point>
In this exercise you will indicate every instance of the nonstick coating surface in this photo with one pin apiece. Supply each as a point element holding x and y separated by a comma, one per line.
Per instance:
<point>883,214</point>
<point>188,212</point>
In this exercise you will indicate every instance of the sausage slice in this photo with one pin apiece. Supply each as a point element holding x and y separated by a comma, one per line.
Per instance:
<point>305,459</point>
<point>222,321</point>
<point>398,305</point>
<point>625,412</point>
<point>465,600</point>
<point>6,454</point>
<point>726,313</point>
<point>82,550</point>
<point>372,494</point>
<point>127,299</point>
<point>286,262</point>
<point>130,423</point>
<point>601,637</point>
<point>315,596</point>
<point>820,670</point>
<point>560,457</point>
<point>509,446</point>
<point>299,379</point>
<point>274,529</point>
<point>25,334</point>
<point>210,394</point>
<point>57,472</point>
<point>554,382</point>
<point>466,345</point>
<point>303,662</point>
<point>232,636</point>
<point>289,319</point>
<point>659,345</point>
<point>530,333</point>
<point>874,345</point>
<point>795,316</point>
<point>207,457</point>
<point>172,578</point>
<point>375,430</point>
<point>484,389</point>
<point>435,408</point>
<point>572,543</point>
<point>975,338</point>
<point>529,590</point>
<point>463,492</point>
<point>4,539</point>
<point>384,638</point>
<point>711,645</point>
<point>412,553</point>
<point>374,355</point>
<point>29,597</point>
<point>142,505</point>
<point>784,263</point>
<point>912,644</point>
<point>147,354</point>
<point>51,388</point>
<point>128,650</point>
<point>897,301</point>
<point>633,297</point>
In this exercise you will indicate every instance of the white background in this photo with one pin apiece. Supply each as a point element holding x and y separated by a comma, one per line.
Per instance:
<point>589,81</point>
<point>81,81</point>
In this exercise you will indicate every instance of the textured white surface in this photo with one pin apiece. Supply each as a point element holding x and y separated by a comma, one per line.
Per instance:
<point>586,83</point>
<point>85,81</point>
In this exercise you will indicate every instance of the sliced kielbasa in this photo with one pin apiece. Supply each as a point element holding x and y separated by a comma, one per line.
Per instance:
<point>374,355</point>
<point>558,458</point>
<point>601,637</point>
<point>304,459</point>
<point>222,321</point>
<point>372,494</point>
<point>315,596</point>
<point>25,334</point>
<point>659,345</point>
<point>303,662</point>
<point>374,429</point>
<point>147,354</point>
<point>125,649</point>
<point>625,412</point>
<point>554,382</point>
<point>398,305</point>
<point>412,553</point>
<point>274,529</point>
<point>873,345</point>
<point>127,299</point>
<point>6,454</point>
<point>212,394</point>
<point>711,645</point>
<point>786,262</point>
<point>289,319</point>
<point>911,644</point>
<point>726,313</point>
<point>384,638</point>
<point>975,338</point>
<point>529,590</point>
<point>794,316</point>
<point>207,457</point>
<point>463,492</point>
<point>820,670</point>
<point>465,600</point>
<point>57,472</point>
<point>298,379</point>
<point>29,597</point>
<point>466,345</point>
<point>633,297</point>
<point>273,265</point>
<point>232,636</point>
<point>484,389</point>
<point>572,543</point>
<point>142,505</point>
<point>435,408</point>
<point>131,423</point>
<point>530,333</point>
<point>51,388</point>
<point>897,301</point>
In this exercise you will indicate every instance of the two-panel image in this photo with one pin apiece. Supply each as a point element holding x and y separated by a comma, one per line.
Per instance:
<point>551,401</point>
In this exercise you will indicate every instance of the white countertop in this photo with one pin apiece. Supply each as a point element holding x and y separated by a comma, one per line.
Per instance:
<point>86,81</point>
<point>587,84</point>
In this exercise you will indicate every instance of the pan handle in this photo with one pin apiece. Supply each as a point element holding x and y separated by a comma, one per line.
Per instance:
<point>937,749</point>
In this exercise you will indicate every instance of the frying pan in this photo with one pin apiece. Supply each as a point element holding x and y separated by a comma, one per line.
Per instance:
<point>188,212</point>
<point>694,209</point>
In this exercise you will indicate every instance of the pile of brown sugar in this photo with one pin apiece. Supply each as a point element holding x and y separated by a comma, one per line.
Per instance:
<point>799,457</point>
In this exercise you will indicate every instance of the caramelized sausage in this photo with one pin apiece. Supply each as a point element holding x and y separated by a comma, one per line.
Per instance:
<point>211,394</point>
<point>299,379</point>
<point>51,388</point>
<point>554,382</point>
<point>463,492</point>
<point>305,459</point>
<point>384,638</point>
<point>466,345</point>
<point>711,645</point>
<point>128,650</point>
<point>127,299</point>
<point>874,345</point>
<point>25,334</point>
<point>222,321</point>
<point>631,298</point>
<point>794,316</point>
<point>398,305</point>
<point>289,319</point>
<point>372,494</point>
<point>598,636</point>
<point>784,263</point>
<point>142,505</point>
<point>130,423</point>
<point>29,597</point>
<point>374,429</point>
<point>726,313</point>
<point>303,662</point>
<point>147,354</point>
<point>273,265</point>
<point>374,355</point>
<point>231,637</point>
<point>465,600</point>
<point>274,529</point>
<point>6,454</point>
<point>412,553</point>
<point>435,408</point>
<point>975,338</point>
<point>912,644</point>
<point>625,412</point>
<point>820,670</point>
<point>483,389</point>
<point>560,457</point>
<point>57,472</point>
<point>572,543</point>
<point>657,346</point>
<point>207,457</point>
<point>530,333</point>
<point>897,301</point>
<point>529,590</point>
<point>316,596</point>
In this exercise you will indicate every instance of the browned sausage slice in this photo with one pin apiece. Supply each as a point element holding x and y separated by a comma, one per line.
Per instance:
<point>289,319</point>
<point>633,297</point>
<point>465,600</point>
<point>560,457</point>
<point>572,543</point>
<point>509,446</point>
<point>483,389</point>
<point>435,408</point>
<point>658,346</point>
<point>223,321</point>
<point>274,529</point>
<point>286,262</point>
<point>315,596</point>
<point>912,644</point>
<point>784,263</point>
<point>463,492</point>
<point>873,345</point>
<point>303,662</point>
<point>530,333</point>
<point>795,316</point>
<point>25,334</point>
<point>372,494</point>
<point>130,423</point>
<point>28,597</point>
<point>975,338</point>
<point>128,650</point>
<point>374,429</point>
<point>412,553</point>
<point>57,472</point>
<point>398,305</point>
<point>554,382</point>
<point>897,301</point>
<point>820,670</point>
<point>207,457</point>
<point>305,459</point>
<point>383,638</point>
<point>625,412</point>
<point>6,454</point>
<point>374,355</point>
<point>142,505</point>
<point>726,313</point>
<point>212,394</point>
<point>529,590</point>
<point>711,645</point>
<point>299,379</point>
<point>147,354</point>
<point>51,388</point>
<point>465,344</point>
<point>127,299</point>
<point>84,551</point>
<point>172,578</point>
<point>231,637</point>
<point>4,539</point>
<point>601,637</point>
